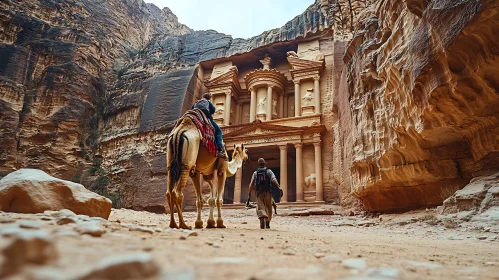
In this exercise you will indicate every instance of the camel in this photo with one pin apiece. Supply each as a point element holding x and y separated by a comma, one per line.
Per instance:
<point>187,156</point>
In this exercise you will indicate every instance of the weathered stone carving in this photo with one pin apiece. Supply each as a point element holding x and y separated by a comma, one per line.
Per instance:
<point>308,98</point>
<point>261,105</point>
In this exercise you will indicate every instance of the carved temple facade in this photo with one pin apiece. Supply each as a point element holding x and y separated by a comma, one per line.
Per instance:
<point>277,101</point>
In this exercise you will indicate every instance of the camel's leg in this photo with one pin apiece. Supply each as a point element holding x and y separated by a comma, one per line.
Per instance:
<point>196,180</point>
<point>170,198</point>
<point>211,202</point>
<point>179,195</point>
<point>220,195</point>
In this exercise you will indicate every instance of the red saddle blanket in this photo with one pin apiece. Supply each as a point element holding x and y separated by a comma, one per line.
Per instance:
<point>204,126</point>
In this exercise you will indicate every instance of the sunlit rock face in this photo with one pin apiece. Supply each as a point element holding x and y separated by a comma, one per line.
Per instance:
<point>418,104</point>
<point>57,60</point>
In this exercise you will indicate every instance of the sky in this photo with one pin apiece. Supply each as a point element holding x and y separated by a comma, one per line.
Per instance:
<point>239,18</point>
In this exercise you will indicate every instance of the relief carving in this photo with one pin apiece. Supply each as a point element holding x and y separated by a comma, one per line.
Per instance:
<point>274,106</point>
<point>307,99</point>
<point>220,111</point>
<point>261,105</point>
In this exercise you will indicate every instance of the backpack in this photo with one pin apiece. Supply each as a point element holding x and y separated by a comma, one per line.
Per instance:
<point>262,180</point>
<point>203,105</point>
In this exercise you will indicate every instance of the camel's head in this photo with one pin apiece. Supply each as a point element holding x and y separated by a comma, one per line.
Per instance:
<point>240,151</point>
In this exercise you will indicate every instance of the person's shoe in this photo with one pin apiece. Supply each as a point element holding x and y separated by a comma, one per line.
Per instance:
<point>221,154</point>
<point>267,224</point>
<point>262,223</point>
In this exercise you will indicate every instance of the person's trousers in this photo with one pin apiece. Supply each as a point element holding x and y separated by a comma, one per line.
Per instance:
<point>218,134</point>
<point>264,205</point>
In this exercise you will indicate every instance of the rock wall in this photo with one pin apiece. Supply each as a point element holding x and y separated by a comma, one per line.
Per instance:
<point>418,101</point>
<point>57,59</point>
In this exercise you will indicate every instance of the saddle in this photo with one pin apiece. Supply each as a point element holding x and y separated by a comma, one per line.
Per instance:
<point>204,127</point>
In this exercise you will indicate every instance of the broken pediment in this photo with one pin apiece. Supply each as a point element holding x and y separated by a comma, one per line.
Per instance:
<point>229,77</point>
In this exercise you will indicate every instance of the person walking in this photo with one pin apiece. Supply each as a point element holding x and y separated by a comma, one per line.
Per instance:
<point>262,181</point>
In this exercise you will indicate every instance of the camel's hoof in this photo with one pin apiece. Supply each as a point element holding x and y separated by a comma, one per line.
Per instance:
<point>173,225</point>
<point>210,224</point>
<point>198,224</point>
<point>220,224</point>
<point>185,227</point>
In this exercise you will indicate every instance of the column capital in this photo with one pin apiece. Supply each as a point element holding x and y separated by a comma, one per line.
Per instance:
<point>228,92</point>
<point>296,82</point>
<point>317,144</point>
<point>298,145</point>
<point>251,88</point>
<point>283,147</point>
<point>316,78</point>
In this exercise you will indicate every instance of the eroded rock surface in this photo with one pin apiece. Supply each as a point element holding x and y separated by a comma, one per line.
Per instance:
<point>34,191</point>
<point>418,101</point>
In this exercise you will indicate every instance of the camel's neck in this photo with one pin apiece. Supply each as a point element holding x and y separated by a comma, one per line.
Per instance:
<point>233,165</point>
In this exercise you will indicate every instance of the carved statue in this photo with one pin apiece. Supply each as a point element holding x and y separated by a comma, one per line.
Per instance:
<point>291,54</point>
<point>220,110</point>
<point>261,105</point>
<point>309,184</point>
<point>274,106</point>
<point>307,98</point>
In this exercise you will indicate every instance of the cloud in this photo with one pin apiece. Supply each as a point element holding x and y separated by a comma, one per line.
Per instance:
<point>241,19</point>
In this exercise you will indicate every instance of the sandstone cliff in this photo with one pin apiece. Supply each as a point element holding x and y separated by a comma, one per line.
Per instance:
<point>418,108</point>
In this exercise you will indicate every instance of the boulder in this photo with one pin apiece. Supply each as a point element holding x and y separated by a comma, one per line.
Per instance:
<point>19,247</point>
<point>34,191</point>
<point>480,195</point>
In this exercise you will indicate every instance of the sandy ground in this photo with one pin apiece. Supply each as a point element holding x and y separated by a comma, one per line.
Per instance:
<point>296,247</point>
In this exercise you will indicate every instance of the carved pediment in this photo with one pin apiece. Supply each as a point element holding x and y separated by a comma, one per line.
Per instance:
<point>259,128</point>
<point>227,78</point>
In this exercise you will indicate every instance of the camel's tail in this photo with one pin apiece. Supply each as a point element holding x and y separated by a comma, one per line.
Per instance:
<point>176,146</point>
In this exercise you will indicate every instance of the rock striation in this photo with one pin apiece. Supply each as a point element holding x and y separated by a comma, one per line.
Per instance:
<point>33,191</point>
<point>418,101</point>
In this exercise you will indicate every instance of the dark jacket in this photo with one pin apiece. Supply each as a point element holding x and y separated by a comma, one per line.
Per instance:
<point>210,107</point>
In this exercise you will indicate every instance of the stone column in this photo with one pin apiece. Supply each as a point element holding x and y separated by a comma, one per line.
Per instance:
<point>281,106</point>
<point>285,105</point>
<point>238,114</point>
<point>284,172</point>
<point>317,95</point>
<point>253,104</point>
<point>297,99</point>
<point>227,108</point>
<point>237,186</point>
<point>269,102</point>
<point>241,113</point>
<point>299,172</point>
<point>319,188</point>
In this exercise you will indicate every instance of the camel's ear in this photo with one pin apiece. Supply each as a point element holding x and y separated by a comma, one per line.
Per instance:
<point>242,147</point>
<point>234,146</point>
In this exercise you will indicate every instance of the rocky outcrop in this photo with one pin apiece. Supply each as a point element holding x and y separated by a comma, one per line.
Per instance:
<point>34,191</point>
<point>418,102</point>
<point>479,195</point>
